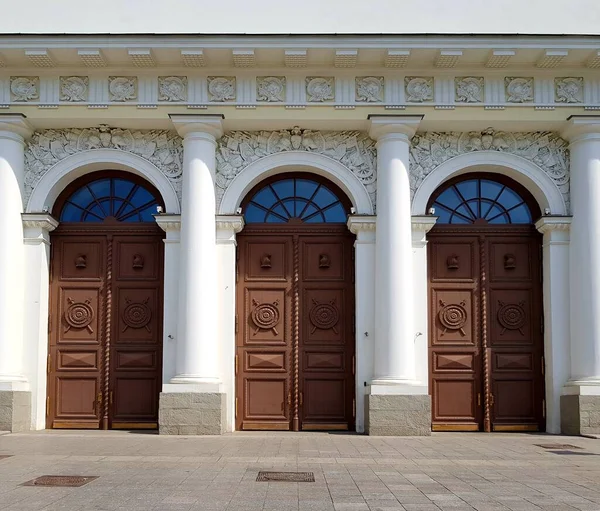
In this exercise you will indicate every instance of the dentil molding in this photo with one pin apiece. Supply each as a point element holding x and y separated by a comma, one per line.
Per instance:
<point>162,148</point>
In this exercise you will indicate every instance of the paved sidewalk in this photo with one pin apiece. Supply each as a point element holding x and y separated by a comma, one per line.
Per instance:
<point>486,472</point>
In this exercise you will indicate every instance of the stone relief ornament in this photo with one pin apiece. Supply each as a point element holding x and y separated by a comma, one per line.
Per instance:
<point>270,88</point>
<point>74,88</point>
<point>469,89</point>
<point>546,149</point>
<point>418,89</point>
<point>319,89</point>
<point>369,89</point>
<point>518,90</point>
<point>162,148</point>
<point>172,88</point>
<point>238,149</point>
<point>221,88</point>
<point>122,88</point>
<point>24,88</point>
<point>568,90</point>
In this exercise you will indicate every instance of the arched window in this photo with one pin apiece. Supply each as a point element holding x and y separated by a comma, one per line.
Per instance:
<point>298,198</point>
<point>110,197</point>
<point>481,200</point>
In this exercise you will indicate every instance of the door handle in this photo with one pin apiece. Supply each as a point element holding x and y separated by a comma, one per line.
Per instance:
<point>98,402</point>
<point>479,399</point>
<point>301,396</point>
<point>110,398</point>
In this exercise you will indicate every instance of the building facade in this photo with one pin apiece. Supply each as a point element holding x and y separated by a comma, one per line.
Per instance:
<point>391,235</point>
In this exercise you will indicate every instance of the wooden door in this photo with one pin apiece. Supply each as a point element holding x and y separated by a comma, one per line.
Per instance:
<point>294,325</point>
<point>105,355</point>
<point>486,342</point>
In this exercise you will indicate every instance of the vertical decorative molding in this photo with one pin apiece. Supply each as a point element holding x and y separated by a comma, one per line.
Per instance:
<point>296,331</point>
<point>444,90</point>
<point>394,90</point>
<point>494,91</point>
<point>296,91</point>
<point>108,330</point>
<point>484,337</point>
<point>544,91</point>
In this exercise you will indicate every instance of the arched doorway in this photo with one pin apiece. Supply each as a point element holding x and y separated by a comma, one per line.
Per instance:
<point>106,287</point>
<point>485,307</point>
<point>295,308</point>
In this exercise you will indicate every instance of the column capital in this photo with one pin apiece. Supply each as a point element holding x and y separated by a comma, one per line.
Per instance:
<point>188,124</point>
<point>233,223</point>
<point>582,127</point>
<point>168,222</point>
<point>359,223</point>
<point>382,125</point>
<point>548,224</point>
<point>15,124</point>
<point>423,223</point>
<point>43,221</point>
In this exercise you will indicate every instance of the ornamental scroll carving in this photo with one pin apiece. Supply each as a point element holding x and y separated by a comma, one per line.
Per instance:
<point>545,149</point>
<point>353,149</point>
<point>46,148</point>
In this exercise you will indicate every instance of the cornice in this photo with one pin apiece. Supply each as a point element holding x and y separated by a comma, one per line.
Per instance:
<point>359,223</point>
<point>168,222</point>
<point>553,223</point>
<point>233,223</point>
<point>43,221</point>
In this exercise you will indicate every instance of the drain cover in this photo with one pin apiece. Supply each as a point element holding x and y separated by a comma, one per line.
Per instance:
<point>558,446</point>
<point>60,481</point>
<point>574,453</point>
<point>290,477</point>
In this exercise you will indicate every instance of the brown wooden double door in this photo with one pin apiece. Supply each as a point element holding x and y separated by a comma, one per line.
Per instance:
<point>105,334</point>
<point>486,333</point>
<point>295,329</point>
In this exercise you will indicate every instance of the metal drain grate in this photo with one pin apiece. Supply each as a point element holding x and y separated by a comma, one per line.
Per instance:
<point>289,477</point>
<point>561,447</point>
<point>574,453</point>
<point>72,481</point>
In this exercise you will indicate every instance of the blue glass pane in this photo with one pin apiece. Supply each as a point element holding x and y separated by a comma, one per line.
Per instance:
<point>305,188</point>
<point>468,189</point>
<point>520,215</point>
<point>254,214</point>
<point>70,213</point>
<point>283,189</point>
<point>315,219</point>
<point>490,189</point>
<point>449,198</point>
<point>122,187</point>
<point>100,188</point>
<point>82,197</point>
<point>324,197</point>
<point>290,206</point>
<point>494,211</point>
<point>274,219</point>
<point>265,197</point>
<point>455,219</point>
<point>310,209</point>
<point>141,196</point>
<point>442,214</point>
<point>335,214</point>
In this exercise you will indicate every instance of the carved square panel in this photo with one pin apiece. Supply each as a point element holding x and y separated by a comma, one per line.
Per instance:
<point>454,400</point>
<point>453,261</point>
<point>453,317</point>
<point>265,361</point>
<point>453,362</point>
<point>79,318</point>
<point>511,320</point>
<point>514,400</point>
<point>322,261</point>
<point>77,360</point>
<point>324,399</point>
<point>80,260</point>
<point>512,362</point>
<point>76,396</point>
<point>138,315</point>
<point>267,261</point>
<point>265,319</point>
<point>265,399</point>
<point>137,261</point>
<point>511,261</point>
<point>128,359</point>
<point>135,398</point>
<point>323,317</point>
<point>323,361</point>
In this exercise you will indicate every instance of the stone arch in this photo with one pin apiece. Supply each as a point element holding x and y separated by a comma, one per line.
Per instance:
<point>64,172</point>
<point>523,171</point>
<point>296,161</point>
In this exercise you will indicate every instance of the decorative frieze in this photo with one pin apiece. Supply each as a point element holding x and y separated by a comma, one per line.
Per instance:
<point>568,90</point>
<point>320,89</point>
<point>418,89</point>
<point>172,88</point>
<point>518,90</point>
<point>546,149</point>
<point>122,88</point>
<point>270,88</point>
<point>221,88</point>
<point>162,148</point>
<point>369,89</point>
<point>24,88</point>
<point>74,89</point>
<point>469,89</point>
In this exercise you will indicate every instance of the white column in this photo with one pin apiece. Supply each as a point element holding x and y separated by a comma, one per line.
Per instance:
<point>421,225</point>
<point>36,229</point>
<point>227,228</point>
<point>171,224</point>
<point>556,313</point>
<point>197,333</point>
<point>584,136</point>
<point>13,131</point>
<point>394,307</point>
<point>364,261</point>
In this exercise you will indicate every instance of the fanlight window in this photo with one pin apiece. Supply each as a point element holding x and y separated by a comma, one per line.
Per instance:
<point>481,201</point>
<point>296,198</point>
<point>120,199</point>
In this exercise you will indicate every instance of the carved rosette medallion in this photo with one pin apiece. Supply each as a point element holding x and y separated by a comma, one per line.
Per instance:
<point>369,89</point>
<point>453,316</point>
<point>24,88</point>
<point>568,90</point>
<point>172,88</point>
<point>122,88</point>
<point>270,88</point>
<point>79,315</point>
<point>418,89</point>
<point>518,90</point>
<point>74,89</point>
<point>320,89</point>
<point>265,316</point>
<point>221,88</point>
<point>469,89</point>
<point>324,316</point>
<point>512,316</point>
<point>137,315</point>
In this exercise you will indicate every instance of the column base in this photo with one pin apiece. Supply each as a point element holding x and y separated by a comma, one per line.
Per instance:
<point>192,413</point>
<point>580,408</point>
<point>406,412</point>
<point>15,410</point>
